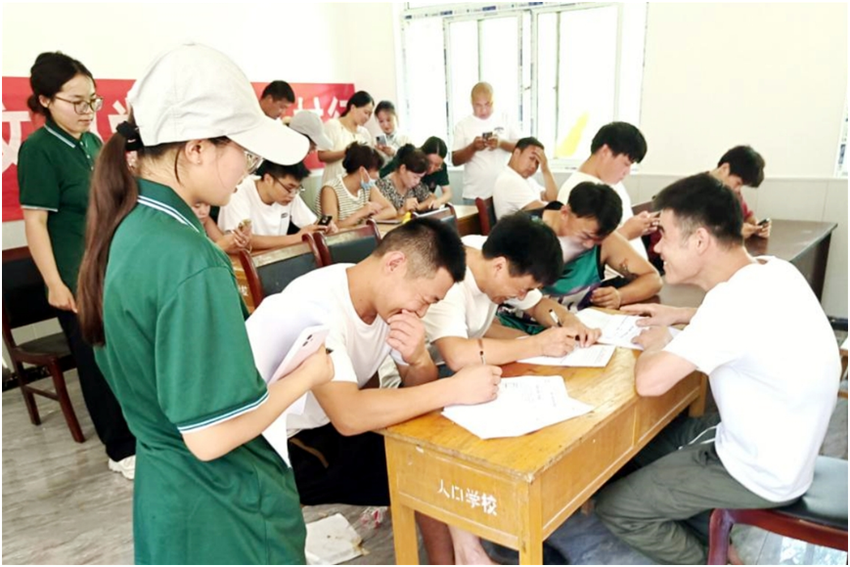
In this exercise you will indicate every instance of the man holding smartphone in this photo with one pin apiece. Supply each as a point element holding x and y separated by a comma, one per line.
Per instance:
<point>271,202</point>
<point>739,167</point>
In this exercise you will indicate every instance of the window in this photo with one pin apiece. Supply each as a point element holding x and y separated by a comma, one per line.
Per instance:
<point>561,70</point>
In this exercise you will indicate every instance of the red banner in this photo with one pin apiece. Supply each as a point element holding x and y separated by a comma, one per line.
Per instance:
<point>326,100</point>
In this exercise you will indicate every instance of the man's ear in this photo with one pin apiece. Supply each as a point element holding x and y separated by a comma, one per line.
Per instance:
<point>393,261</point>
<point>702,239</point>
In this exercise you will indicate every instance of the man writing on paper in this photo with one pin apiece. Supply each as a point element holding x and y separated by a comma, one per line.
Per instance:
<point>373,310</point>
<point>774,403</point>
<point>519,256</point>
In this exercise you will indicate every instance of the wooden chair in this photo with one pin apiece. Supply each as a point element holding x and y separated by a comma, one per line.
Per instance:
<point>270,271</point>
<point>486,214</point>
<point>348,246</point>
<point>25,303</point>
<point>819,517</point>
<point>446,215</point>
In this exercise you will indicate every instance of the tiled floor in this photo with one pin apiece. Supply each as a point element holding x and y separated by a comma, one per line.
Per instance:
<point>61,504</point>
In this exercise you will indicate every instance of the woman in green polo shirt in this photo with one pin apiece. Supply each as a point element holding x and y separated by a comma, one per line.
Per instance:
<point>54,169</point>
<point>160,302</point>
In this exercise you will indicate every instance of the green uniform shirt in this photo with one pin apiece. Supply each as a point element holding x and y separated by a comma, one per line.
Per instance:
<point>439,178</point>
<point>54,172</point>
<point>177,357</point>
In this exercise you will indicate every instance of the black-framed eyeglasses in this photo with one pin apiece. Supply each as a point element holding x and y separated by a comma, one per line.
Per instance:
<point>83,106</point>
<point>294,191</point>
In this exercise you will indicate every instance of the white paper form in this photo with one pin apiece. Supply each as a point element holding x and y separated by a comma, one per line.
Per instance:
<point>524,404</point>
<point>617,330</point>
<point>594,356</point>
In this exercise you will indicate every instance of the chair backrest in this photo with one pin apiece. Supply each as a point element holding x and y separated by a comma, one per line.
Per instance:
<point>486,214</point>
<point>271,271</point>
<point>446,215</point>
<point>24,293</point>
<point>348,246</point>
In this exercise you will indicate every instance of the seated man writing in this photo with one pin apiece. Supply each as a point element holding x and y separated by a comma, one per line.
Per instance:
<point>520,255</point>
<point>587,230</point>
<point>373,310</point>
<point>774,402</point>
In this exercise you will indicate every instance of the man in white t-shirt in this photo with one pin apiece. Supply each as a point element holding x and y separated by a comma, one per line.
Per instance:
<point>515,188</point>
<point>272,201</point>
<point>520,255</point>
<point>482,143</point>
<point>373,310</point>
<point>772,361</point>
<point>615,147</point>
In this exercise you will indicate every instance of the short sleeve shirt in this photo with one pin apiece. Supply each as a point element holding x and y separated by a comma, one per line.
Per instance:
<point>432,181</point>
<point>177,357</point>
<point>480,172</point>
<point>341,137</point>
<point>54,174</point>
<point>266,220</point>
<point>396,199</point>
<point>512,192</point>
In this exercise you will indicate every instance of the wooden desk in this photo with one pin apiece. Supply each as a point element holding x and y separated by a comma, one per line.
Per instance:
<point>467,221</point>
<point>803,243</point>
<point>242,282</point>
<point>518,491</point>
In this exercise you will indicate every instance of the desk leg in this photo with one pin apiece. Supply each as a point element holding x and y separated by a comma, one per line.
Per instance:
<point>531,536</point>
<point>404,534</point>
<point>697,407</point>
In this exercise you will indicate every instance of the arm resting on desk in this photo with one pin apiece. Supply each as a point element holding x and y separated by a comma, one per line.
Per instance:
<point>656,371</point>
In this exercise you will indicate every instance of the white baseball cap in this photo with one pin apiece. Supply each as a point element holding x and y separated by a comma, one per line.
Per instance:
<point>308,123</point>
<point>194,92</point>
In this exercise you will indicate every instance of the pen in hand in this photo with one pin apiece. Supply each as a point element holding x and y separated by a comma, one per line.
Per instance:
<point>555,318</point>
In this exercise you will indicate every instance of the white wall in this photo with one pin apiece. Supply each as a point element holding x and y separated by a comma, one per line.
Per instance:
<point>770,75</point>
<point>715,75</point>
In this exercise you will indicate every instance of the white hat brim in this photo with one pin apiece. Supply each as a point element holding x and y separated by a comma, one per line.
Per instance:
<point>273,142</point>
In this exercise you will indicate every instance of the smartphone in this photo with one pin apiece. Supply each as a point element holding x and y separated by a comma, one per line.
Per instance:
<point>764,222</point>
<point>243,224</point>
<point>487,135</point>
<point>325,220</point>
<point>382,140</point>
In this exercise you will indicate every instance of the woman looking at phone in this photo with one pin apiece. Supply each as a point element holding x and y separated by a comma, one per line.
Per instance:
<point>272,201</point>
<point>403,188</point>
<point>344,131</point>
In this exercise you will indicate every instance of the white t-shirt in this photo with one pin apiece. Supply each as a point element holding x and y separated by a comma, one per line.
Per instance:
<point>481,171</point>
<point>770,353</point>
<point>466,311</point>
<point>266,220</point>
<point>579,177</point>
<point>341,137</point>
<point>320,297</point>
<point>512,192</point>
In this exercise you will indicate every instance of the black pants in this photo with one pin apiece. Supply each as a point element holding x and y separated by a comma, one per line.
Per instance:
<point>332,469</point>
<point>109,422</point>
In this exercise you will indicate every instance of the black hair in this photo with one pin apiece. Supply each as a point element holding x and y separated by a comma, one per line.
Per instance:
<point>530,247</point>
<point>598,201</point>
<point>703,201</point>
<point>385,106</point>
<point>523,143</point>
<point>621,138</point>
<point>358,99</point>
<point>429,245</point>
<point>298,171</point>
<point>746,163</point>
<point>49,74</point>
<point>435,145</point>
<point>359,155</point>
<point>412,158</point>
<point>279,90</point>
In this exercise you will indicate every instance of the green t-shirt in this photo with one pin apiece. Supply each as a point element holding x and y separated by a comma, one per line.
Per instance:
<point>54,174</point>
<point>439,178</point>
<point>177,357</point>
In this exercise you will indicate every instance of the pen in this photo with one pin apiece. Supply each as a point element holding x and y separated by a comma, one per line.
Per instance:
<point>481,351</point>
<point>555,318</point>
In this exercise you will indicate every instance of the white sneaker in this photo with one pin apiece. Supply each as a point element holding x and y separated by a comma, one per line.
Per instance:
<point>126,467</point>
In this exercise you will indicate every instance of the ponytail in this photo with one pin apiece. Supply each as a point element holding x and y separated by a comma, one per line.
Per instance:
<point>113,196</point>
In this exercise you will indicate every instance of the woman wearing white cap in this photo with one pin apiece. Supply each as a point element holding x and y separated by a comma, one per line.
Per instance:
<point>159,301</point>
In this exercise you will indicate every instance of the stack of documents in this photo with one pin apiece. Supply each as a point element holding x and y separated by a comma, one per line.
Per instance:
<point>524,404</point>
<point>617,330</point>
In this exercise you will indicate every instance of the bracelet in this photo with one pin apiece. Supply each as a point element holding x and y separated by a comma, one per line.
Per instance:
<point>481,351</point>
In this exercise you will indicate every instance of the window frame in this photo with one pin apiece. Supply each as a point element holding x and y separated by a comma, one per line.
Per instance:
<point>526,118</point>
